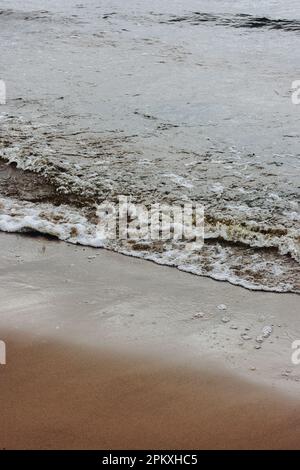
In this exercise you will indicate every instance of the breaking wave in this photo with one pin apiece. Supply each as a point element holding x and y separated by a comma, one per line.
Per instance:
<point>51,183</point>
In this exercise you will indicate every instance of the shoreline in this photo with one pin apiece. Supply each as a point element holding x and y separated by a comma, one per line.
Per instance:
<point>139,355</point>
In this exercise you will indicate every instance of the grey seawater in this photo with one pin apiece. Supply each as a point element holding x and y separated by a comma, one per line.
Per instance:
<point>166,102</point>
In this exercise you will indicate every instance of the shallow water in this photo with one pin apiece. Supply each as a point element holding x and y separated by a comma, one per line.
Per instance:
<point>168,102</point>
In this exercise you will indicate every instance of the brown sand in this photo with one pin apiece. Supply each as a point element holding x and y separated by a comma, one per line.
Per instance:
<point>58,397</point>
<point>104,353</point>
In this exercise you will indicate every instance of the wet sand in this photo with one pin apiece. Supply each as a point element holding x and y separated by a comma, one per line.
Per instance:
<point>104,352</point>
<point>59,397</point>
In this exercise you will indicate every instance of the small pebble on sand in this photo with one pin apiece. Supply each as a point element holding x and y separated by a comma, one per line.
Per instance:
<point>222,307</point>
<point>199,315</point>
<point>259,339</point>
<point>246,337</point>
<point>267,331</point>
<point>225,319</point>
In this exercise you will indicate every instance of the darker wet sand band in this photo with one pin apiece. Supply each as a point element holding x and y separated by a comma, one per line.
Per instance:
<point>60,397</point>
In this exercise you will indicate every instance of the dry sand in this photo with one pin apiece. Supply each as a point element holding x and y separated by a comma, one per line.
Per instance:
<point>105,352</point>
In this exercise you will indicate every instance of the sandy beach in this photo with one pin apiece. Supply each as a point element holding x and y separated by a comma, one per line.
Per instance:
<point>120,328</point>
<point>139,355</point>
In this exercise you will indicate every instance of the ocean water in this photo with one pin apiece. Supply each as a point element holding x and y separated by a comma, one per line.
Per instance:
<point>166,102</point>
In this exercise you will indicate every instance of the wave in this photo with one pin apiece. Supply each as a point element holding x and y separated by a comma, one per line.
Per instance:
<point>44,190</point>
<point>236,21</point>
<point>231,252</point>
<point>40,16</point>
<point>24,15</point>
<point>240,265</point>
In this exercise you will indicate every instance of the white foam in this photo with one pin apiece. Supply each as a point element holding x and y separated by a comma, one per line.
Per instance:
<point>215,261</point>
<point>180,180</point>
